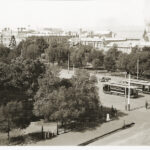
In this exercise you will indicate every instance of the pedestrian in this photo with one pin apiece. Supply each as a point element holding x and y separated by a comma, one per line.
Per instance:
<point>115,112</point>
<point>146,104</point>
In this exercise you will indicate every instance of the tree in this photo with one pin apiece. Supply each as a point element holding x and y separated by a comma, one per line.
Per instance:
<point>128,62</point>
<point>15,115</point>
<point>145,37</point>
<point>32,52</point>
<point>58,52</point>
<point>7,54</point>
<point>15,52</point>
<point>98,60</point>
<point>114,52</point>
<point>144,60</point>
<point>18,85</point>
<point>111,58</point>
<point>12,44</point>
<point>47,84</point>
<point>4,53</point>
<point>28,72</point>
<point>75,101</point>
<point>85,96</point>
<point>19,79</point>
<point>42,44</point>
<point>33,47</point>
<point>109,63</point>
<point>123,62</point>
<point>80,55</point>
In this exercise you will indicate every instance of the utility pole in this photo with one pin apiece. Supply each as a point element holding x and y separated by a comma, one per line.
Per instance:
<point>137,68</point>
<point>129,93</point>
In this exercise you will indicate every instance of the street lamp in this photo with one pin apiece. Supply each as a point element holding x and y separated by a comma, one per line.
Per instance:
<point>57,129</point>
<point>68,62</point>
<point>128,105</point>
<point>73,69</point>
<point>125,92</point>
<point>137,68</point>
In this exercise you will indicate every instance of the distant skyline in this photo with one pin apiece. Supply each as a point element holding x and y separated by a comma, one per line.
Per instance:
<point>89,14</point>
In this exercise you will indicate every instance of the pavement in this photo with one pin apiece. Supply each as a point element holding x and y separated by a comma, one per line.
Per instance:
<point>135,136</point>
<point>76,138</point>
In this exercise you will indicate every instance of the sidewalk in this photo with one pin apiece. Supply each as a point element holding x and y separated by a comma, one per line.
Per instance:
<point>134,136</point>
<point>76,138</point>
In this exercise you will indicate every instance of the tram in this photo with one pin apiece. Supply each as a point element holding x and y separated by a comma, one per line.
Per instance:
<point>120,89</point>
<point>142,85</point>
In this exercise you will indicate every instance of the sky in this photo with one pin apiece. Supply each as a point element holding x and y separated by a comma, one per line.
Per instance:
<point>92,14</point>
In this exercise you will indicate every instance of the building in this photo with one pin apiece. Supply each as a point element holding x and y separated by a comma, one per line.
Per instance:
<point>123,45</point>
<point>23,33</point>
<point>143,44</point>
<point>94,42</point>
<point>7,33</point>
<point>105,34</point>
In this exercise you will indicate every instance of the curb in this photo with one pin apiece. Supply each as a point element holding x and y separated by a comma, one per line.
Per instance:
<point>102,136</point>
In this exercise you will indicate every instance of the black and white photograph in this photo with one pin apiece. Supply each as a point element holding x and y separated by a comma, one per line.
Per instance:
<point>74,73</point>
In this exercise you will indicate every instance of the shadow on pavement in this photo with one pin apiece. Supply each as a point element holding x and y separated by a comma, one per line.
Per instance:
<point>136,108</point>
<point>106,134</point>
<point>84,126</point>
<point>140,95</point>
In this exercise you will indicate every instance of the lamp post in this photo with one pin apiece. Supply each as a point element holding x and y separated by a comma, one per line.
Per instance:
<point>125,92</point>
<point>57,129</point>
<point>137,68</point>
<point>73,69</point>
<point>68,62</point>
<point>129,93</point>
<point>42,132</point>
<point>8,132</point>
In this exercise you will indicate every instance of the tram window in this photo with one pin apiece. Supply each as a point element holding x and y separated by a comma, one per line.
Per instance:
<point>117,88</point>
<point>143,87</point>
<point>131,92</point>
<point>146,88</point>
<point>106,88</point>
<point>135,91</point>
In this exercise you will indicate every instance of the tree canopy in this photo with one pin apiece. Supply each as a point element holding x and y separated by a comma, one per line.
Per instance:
<point>33,47</point>
<point>15,115</point>
<point>74,100</point>
<point>111,58</point>
<point>19,79</point>
<point>58,52</point>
